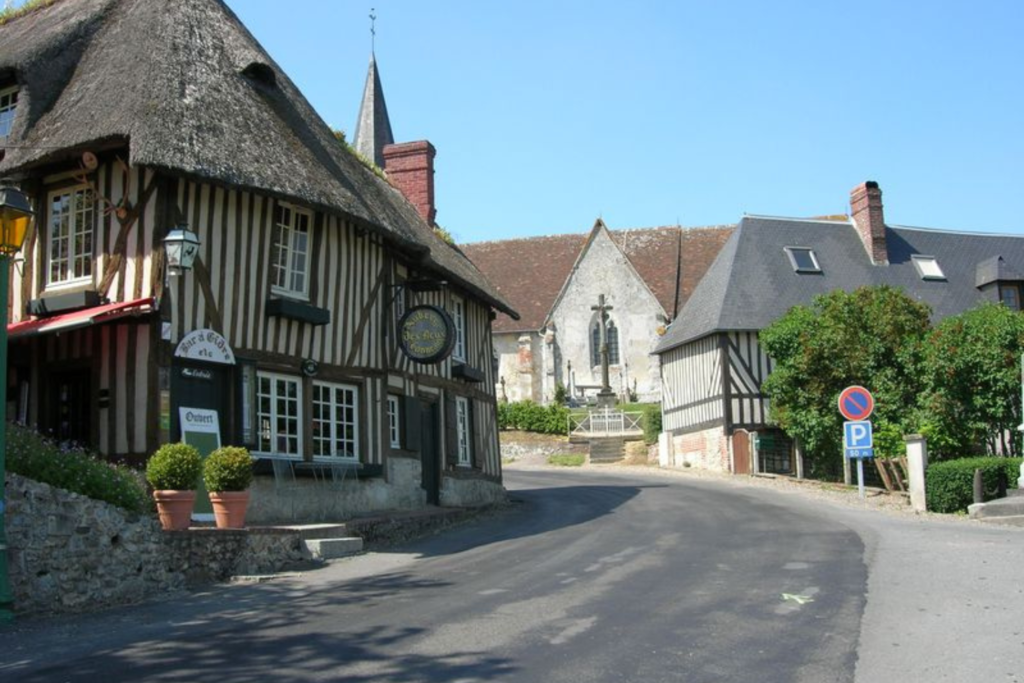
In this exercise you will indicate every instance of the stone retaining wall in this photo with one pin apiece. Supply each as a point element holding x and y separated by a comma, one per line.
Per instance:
<point>69,553</point>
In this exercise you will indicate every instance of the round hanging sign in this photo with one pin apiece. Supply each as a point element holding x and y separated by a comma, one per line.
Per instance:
<point>426,334</point>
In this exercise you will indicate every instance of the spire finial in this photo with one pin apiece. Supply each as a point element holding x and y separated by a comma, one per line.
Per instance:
<point>373,30</point>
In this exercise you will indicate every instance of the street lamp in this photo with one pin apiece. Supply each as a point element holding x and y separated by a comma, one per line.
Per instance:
<point>15,214</point>
<point>181,246</point>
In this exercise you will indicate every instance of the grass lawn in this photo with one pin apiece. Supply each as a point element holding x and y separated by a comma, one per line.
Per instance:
<point>567,460</point>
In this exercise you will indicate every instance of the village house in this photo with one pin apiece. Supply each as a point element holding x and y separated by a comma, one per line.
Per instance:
<point>124,120</point>
<point>645,275</point>
<point>715,415</point>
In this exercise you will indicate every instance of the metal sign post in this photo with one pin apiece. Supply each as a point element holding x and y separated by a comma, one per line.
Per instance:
<point>858,443</point>
<point>856,404</point>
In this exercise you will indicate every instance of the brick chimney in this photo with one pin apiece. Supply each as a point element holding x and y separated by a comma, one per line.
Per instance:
<point>410,167</point>
<point>866,207</point>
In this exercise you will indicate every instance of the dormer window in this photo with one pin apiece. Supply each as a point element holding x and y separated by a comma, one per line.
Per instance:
<point>803,259</point>
<point>928,267</point>
<point>1009,295</point>
<point>8,103</point>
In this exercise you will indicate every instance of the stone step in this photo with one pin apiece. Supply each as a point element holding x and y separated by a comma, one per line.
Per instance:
<point>607,450</point>
<point>333,548</point>
<point>308,531</point>
<point>1009,520</point>
<point>1003,507</point>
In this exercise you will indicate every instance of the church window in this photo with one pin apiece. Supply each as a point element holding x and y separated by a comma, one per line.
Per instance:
<point>613,344</point>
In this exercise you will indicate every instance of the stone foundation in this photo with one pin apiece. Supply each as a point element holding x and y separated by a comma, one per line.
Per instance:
<point>308,500</point>
<point>471,492</point>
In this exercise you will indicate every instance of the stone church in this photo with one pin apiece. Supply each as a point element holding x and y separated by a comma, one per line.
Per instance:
<point>554,282</point>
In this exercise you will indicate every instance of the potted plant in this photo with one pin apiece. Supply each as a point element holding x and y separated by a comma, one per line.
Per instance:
<point>173,472</point>
<point>227,474</point>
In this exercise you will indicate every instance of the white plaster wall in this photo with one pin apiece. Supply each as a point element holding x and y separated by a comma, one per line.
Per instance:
<point>522,380</point>
<point>604,269</point>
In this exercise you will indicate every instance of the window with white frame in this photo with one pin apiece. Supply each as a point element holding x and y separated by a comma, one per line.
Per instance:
<point>463,427</point>
<point>394,433</point>
<point>289,256</point>
<point>928,267</point>
<point>335,421</point>
<point>72,214</point>
<point>8,103</point>
<point>279,414</point>
<point>459,319</point>
<point>400,299</point>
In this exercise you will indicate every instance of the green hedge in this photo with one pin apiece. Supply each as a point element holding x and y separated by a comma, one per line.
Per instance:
<point>652,422</point>
<point>950,484</point>
<point>528,416</point>
<point>36,457</point>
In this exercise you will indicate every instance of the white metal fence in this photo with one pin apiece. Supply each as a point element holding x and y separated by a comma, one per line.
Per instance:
<point>606,422</point>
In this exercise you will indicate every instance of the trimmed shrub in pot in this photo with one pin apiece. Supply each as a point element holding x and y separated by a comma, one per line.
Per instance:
<point>227,474</point>
<point>173,472</point>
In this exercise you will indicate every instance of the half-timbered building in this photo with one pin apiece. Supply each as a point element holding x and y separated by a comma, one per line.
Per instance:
<point>129,118</point>
<point>715,414</point>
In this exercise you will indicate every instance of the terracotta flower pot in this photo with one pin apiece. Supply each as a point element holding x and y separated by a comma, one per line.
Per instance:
<point>174,508</point>
<point>229,508</point>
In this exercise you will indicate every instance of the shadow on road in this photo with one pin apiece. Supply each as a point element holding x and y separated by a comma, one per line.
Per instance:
<point>270,631</point>
<point>532,512</point>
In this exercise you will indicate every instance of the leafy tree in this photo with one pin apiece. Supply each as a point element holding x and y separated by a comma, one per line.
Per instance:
<point>972,366</point>
<point>871,337</point>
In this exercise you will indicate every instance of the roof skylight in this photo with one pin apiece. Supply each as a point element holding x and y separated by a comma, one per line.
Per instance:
<point>928,267</point>
<point>803,259</point>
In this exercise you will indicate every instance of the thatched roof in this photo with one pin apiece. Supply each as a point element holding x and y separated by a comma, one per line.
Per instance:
<point>192,91</point>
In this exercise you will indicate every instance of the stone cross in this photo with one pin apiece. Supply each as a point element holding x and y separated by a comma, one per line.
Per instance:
<point>606,389</point>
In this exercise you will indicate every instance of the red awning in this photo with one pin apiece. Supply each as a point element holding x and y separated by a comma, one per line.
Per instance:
<point>82,318</point>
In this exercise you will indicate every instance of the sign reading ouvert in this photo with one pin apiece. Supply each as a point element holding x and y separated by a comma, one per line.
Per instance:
<point>205,345</point>
<point>426,334</point>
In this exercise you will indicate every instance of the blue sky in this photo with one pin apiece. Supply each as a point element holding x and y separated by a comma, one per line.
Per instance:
<point>546,115</point>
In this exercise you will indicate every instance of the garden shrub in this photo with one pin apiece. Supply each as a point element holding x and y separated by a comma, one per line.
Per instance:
<point>528,416</point>
<point>651,422</point>
<point>950,484</point>
<point>174,467</point>
<point>228,468</point>
<point>74,469</point>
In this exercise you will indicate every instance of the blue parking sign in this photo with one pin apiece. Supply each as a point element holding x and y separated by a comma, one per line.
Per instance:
<point>858,439</point>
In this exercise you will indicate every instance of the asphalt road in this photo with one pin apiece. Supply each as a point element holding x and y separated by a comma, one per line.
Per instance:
<point>590,576</point>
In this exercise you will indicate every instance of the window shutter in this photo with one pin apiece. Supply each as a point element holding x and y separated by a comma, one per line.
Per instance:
<point>409,422</point>
<point>451,432</point>
<point>475,440</point>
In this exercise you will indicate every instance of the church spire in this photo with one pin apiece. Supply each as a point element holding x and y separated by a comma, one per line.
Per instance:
<point>373,128</point>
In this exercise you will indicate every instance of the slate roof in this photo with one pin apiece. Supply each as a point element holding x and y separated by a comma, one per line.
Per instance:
<point>531,272</point>
<point>752,283</point>
<point>191,91</point>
